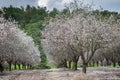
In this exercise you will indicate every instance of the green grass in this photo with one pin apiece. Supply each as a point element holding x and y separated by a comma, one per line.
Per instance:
<point>53,67</point>
<point>44,66</point>
<point>113,64</point>
<point>13,67</point>
<point>78,65</point>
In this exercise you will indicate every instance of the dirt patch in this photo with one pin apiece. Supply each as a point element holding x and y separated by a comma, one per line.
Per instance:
<point>100,73</point>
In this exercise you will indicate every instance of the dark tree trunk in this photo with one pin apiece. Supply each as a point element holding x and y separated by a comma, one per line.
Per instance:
<point>23,66</point>
<point>97,63</point>
<point>107,62</point>
<point>74,65</point>
<point>15,66</point>
<point>114,64</point>
<point>69,64</point>
<point>65,64</point>
<point>28,66</point>
<point>1,68</point>
<point>84,64</point>
<point>101,63</point>
<point>19,66</point>
<point>10,65</point>
<point>84,68</point>
<point>119,63</point>
<point>75,61</point>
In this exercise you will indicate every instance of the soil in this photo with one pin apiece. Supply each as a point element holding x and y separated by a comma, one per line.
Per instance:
<point>98,73</point>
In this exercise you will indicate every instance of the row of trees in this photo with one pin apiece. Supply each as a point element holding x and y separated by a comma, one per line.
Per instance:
<point>15,46</point>
<point>84,36</point>
<point>31,20</point>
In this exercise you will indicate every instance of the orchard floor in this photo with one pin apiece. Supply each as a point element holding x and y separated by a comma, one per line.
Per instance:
<point>99,73</point>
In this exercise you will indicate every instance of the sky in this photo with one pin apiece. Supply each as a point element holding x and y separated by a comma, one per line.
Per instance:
<point>111,5</point>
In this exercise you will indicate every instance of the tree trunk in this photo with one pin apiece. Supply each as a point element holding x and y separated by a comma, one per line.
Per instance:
<point>107,62</point>
<point>15,66</point>
<point>119,63</point>
<point>114,64</point>
<point>30,66</point>
<point>10,64</point>
<point>75,60</point>
<point>74,65</point>
<point>1,68</point>
<point>101,63</point>
<point>84,68</point>
<point>27,66</point>
<point>19,66</point>
<point>97,63</point>
<point>69,64</point>
<point>65,64</point>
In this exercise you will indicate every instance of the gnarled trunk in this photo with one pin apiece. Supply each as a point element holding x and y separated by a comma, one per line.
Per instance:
<point>84,68</point>
<point>75,61</point>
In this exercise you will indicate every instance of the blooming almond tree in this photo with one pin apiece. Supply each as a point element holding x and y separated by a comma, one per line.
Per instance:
<point>56,38</point>
<point>81,34</point>
<point>15,46</point>
<point>93,34</point>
